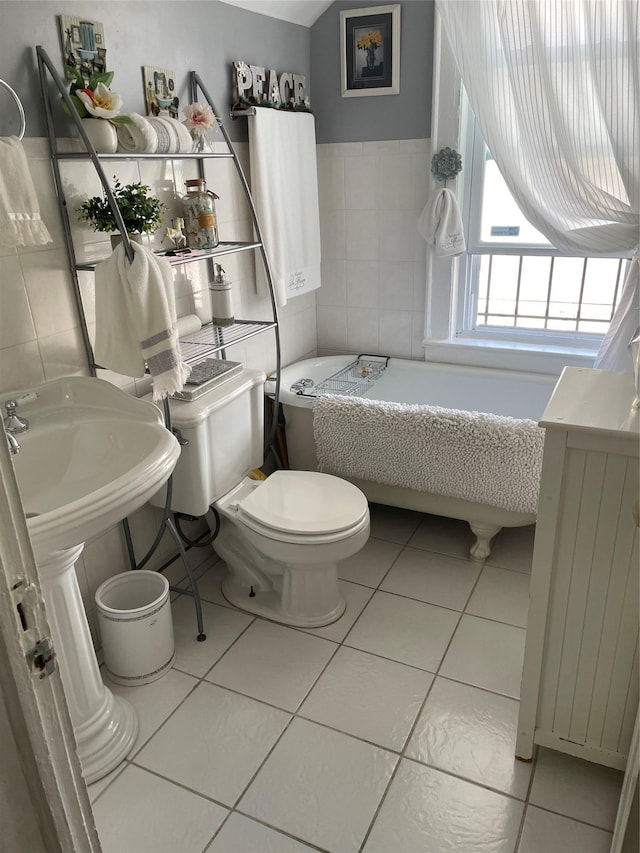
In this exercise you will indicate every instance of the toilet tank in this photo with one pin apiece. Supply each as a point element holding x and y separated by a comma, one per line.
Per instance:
<point>224,428</point>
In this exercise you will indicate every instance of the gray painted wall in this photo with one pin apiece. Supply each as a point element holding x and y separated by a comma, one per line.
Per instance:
<point>183,36</point>
<point>371,119</point>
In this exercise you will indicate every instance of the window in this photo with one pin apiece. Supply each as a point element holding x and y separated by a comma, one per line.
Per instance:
<point>514,284</point>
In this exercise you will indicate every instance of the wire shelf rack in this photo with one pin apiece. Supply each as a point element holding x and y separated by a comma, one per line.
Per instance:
<point>211,339</point>
<point>354,380</point>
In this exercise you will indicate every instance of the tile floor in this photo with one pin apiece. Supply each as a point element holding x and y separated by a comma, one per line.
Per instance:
<point>390,731</point>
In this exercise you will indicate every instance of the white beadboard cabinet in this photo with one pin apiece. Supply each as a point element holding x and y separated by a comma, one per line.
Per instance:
<point>580,676</point>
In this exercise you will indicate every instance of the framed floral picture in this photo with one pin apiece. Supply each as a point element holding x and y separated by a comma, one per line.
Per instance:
<point>370,51</point>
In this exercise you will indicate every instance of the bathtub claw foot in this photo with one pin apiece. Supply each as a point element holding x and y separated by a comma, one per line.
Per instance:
<point>484,533</point>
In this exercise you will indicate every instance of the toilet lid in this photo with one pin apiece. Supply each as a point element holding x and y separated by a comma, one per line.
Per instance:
<point>305,502</point>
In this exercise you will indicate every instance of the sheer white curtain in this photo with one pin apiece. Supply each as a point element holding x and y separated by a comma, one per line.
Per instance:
<point>555,88</point>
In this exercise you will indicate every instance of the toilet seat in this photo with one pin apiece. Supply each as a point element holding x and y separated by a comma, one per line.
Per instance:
<point>304,507</point>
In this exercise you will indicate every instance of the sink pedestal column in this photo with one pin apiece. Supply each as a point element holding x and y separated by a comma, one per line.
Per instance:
<point>105,725</point>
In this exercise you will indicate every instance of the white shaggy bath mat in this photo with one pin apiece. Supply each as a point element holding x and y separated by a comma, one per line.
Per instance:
<point>473,456</point>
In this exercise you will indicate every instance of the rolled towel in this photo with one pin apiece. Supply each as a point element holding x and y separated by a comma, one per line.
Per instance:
<point>173,136</point>
<point>184,137</point>
<point>188,324</point>
<point>138,137</point>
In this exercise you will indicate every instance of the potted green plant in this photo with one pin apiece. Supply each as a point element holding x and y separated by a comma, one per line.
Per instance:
<point>141,212</point>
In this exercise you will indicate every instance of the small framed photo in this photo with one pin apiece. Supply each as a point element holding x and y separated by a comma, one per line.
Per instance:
<point>160,91</point>
<point>83,46</point>
<point>370,51</point>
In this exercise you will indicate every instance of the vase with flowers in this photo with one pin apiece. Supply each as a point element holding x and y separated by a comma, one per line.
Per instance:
<point>370,42</point>
<point>99,108</point>
<point>141,212</point>
<point>198,119</point>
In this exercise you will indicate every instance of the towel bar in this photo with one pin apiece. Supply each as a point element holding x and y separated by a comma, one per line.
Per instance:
<point>23,123</point>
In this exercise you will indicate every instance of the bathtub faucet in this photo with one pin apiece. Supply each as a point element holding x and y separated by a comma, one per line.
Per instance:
<point>12,423</point>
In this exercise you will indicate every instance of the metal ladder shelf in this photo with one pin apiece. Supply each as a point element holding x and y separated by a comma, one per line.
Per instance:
<point>211,339</point>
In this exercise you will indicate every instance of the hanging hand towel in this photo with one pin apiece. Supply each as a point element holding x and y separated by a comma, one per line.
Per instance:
<point>20,223</point>
<point>138,137</point>
<point>440,224</point>
<point>136,319</point>
<point>284,185</point>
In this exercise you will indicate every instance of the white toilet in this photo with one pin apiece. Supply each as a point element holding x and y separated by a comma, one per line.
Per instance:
<point>282,537</point>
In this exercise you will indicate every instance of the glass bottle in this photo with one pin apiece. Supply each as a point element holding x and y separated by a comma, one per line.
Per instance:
<point>199,207</point>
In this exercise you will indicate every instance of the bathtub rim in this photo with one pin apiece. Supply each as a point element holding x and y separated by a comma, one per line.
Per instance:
<point>322,367</point>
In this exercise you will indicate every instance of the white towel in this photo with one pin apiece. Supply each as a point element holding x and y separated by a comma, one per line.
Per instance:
<point>20,223</point>
<point>284,184</point>
<point>136,319</point>
<point>173,136</point>
<point>483,458</point>
<point>139,137</point>
<point>440,224</point>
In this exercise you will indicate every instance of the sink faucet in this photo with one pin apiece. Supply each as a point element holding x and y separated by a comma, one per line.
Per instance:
<point>12,441</point>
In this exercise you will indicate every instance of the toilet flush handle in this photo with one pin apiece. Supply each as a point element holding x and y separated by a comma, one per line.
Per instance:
<point>183,442</point>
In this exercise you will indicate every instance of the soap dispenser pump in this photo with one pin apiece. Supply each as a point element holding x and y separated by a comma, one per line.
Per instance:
<point>221,299</point>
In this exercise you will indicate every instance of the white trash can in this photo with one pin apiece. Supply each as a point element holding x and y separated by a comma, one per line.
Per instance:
<point>134,614</point>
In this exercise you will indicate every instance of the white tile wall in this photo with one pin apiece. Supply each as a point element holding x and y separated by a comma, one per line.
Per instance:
<point>373,259</point>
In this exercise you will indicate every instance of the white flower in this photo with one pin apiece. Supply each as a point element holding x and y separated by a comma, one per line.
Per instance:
<point>100,102</point>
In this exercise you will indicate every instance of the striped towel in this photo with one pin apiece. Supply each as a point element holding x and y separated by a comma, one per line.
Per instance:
<point>136,319</point>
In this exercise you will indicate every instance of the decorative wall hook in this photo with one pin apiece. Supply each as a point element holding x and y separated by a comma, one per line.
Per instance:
<point>446,164</point>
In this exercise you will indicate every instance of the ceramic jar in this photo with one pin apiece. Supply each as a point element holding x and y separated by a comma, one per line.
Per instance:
<point>102,135</point>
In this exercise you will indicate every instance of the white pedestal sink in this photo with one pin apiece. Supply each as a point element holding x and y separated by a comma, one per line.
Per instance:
<point>91,456</point>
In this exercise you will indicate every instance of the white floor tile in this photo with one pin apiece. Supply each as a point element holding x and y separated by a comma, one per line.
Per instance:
<point>371,563</point>
<point>486,654</point>
<point>221,625</point>
<point>393,523</point>
<point>410,632</point>
<point>471,733</point>
<point>96,788</point>
<point>544,832</point>
<point>242,835</point>
<point>369,697</point>
<point>513,548</point>
<point>435,578</point>
<point>141,813</point>
<point>154,702</point>
<point>214,742</point>
<point>273,663</point>
<point>356,597</point>
<point>320,786</point>
<point>502,595</point>
<point>210,581</point>
<point>576,788</point>
<point>426,811</point>
<point>444,535</point>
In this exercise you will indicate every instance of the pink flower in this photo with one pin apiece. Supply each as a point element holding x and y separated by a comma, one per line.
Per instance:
<point>199,117</point>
